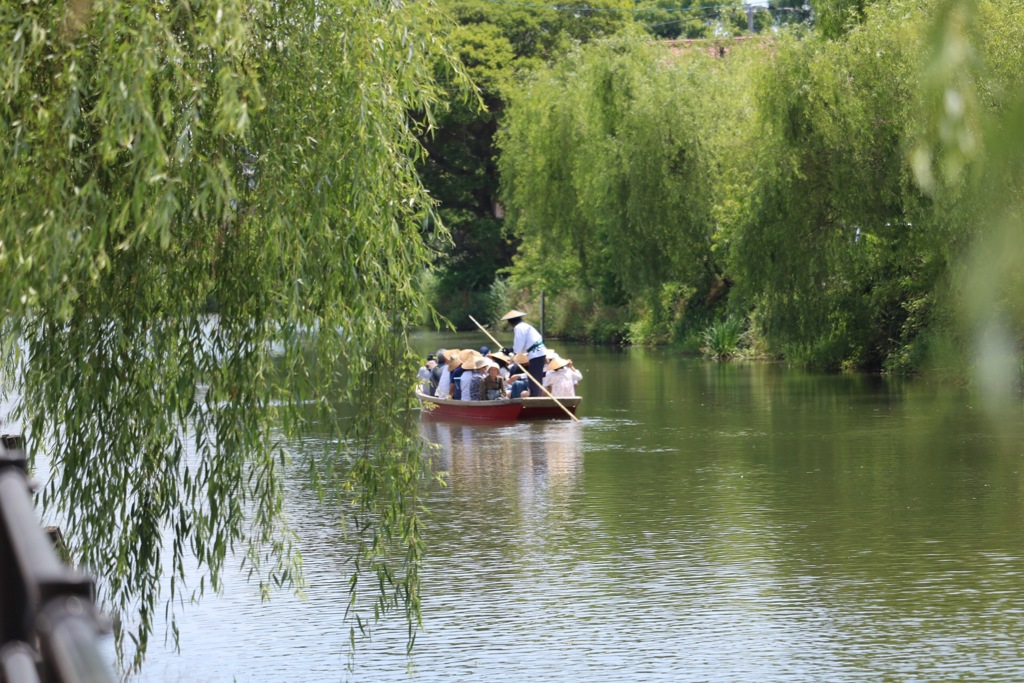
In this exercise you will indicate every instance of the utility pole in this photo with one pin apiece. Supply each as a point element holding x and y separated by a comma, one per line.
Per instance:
<point>542,313</point>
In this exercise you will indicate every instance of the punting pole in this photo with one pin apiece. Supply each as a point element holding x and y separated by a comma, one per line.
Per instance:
<point>526,372</point>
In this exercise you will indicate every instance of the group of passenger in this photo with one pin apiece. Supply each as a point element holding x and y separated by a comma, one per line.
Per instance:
<point>483,375</point>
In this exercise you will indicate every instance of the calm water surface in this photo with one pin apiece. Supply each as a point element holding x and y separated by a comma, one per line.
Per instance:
<point>704,522</point>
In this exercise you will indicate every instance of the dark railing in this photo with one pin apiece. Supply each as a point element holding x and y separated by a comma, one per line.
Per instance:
<point>49,624</point>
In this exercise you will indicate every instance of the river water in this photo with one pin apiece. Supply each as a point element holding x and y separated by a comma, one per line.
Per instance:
<point>703,522</point>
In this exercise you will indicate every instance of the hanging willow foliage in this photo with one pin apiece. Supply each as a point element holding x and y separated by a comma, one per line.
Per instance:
<point>165,159</point>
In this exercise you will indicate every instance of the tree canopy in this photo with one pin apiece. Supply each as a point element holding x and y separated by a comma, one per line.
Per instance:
<point>500,44</point>
<point>257,160</point>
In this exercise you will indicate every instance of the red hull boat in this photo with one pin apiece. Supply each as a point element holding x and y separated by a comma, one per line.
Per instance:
<point>501,410</point>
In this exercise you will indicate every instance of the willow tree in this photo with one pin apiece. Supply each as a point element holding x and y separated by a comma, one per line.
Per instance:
<point>837,248</point>
<point>833,18</point>
<point>611,169</point>
<point>162,160</point>
<point>865,199</point>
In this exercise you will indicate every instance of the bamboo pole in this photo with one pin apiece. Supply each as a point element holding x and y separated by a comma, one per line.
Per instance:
<point>526,372</point>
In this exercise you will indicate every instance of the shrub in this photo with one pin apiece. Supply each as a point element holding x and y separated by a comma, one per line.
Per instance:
<point>722,338</point>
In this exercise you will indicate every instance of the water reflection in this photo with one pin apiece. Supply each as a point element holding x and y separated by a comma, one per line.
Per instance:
<point>535,454</point>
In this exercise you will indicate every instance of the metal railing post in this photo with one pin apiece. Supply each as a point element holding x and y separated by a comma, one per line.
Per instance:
<point>43,602</point>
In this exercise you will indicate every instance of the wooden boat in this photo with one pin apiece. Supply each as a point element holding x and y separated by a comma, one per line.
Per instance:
<point>501,410</point>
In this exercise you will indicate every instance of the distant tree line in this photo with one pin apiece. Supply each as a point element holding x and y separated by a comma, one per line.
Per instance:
<point>825,188</point>
<point>818,183</point>
<point>501,43</point>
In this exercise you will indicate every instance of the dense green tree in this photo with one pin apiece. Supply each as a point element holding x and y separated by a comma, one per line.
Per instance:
<point>500,44</point>
<point>669,19</point>
<point>833,199</point>
<point>833,18</point>
<point>459,171</point>
<point>854,236</point>
<point>694,27</point>
<point>838,181</point>
<point>258,157</point>
<point>606,163</point>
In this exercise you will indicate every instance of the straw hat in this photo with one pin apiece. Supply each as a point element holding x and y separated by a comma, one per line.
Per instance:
<point>557,363</point>
<point>498,355</point>
<point>449,355</point>
<point>513,314</point>
<point>477,363</point>
<point>468,354</point>
<point>520,359</point>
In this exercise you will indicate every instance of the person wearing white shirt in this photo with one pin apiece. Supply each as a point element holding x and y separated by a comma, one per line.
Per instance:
<point>561,377</point>
<point>444,384</point>
<point>526,339</point>
<point>472,377</point>
<point>424,374</point>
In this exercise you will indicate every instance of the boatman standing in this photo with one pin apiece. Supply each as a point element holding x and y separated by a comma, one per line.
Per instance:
<point>526,339</point>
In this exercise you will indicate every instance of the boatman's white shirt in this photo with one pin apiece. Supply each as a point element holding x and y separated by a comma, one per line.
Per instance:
<point>524,337</point>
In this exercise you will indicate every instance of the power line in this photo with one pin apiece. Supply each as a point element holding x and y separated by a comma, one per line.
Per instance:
<point>609,9</point>
<point>637,10</point>
<point>757,8</point>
